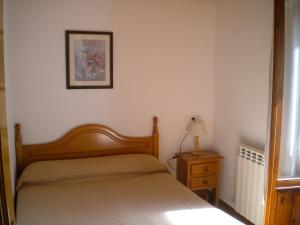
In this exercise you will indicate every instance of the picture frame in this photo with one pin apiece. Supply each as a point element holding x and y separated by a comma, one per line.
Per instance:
<point>89,59</point>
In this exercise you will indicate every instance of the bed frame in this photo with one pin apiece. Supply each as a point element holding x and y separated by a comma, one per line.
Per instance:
<point>89,140</point>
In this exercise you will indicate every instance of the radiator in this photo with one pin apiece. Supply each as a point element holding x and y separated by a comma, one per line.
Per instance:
<point>249,197</point>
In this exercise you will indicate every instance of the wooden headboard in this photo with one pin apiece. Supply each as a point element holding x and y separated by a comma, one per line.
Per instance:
<point>89,140</point>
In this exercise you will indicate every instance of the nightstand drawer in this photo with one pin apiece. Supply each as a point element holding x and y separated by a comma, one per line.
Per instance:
<point>204,168</point>
<point>201,182</point>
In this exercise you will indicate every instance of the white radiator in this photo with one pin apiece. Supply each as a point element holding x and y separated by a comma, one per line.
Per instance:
<point>249,197</point>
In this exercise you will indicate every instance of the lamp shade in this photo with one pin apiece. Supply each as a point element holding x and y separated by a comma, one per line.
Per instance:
<point>196,128</point>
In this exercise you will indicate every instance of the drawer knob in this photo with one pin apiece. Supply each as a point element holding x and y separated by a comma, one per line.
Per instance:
<point>204,182</point>
<point>205,169</point>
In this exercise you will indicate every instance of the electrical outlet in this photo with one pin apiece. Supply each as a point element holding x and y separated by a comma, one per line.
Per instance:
<point>197,118</point>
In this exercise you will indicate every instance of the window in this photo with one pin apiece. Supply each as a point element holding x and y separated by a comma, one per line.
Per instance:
<point>289,164</point>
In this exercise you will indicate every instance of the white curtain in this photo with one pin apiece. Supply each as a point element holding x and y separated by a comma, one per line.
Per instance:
<point>290,136</point>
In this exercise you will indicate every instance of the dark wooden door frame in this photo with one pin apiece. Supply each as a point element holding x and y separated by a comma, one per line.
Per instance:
<point>7,214</point>
<point>276,188</point>
<point>276,111</point>
<point>4,215</point>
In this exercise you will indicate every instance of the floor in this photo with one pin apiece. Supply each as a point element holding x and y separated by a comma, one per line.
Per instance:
<point>226,208</point>
<point>209,196</point>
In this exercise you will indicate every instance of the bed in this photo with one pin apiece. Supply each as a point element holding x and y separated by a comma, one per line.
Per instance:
<point>93,175</point>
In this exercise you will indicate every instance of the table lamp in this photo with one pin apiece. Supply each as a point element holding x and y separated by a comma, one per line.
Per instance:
<point>196,129</point>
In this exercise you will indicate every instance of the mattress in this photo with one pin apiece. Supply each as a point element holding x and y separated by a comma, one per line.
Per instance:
<point>137,196</point>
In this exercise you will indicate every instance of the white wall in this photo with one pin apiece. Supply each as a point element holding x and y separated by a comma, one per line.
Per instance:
<point>163,65</point>
<point>243,48</point>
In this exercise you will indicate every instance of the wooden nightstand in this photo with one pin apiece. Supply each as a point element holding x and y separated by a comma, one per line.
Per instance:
<point>200,172</point>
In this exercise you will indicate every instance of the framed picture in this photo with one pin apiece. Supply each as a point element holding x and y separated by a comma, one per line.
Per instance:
<point>89,59</point>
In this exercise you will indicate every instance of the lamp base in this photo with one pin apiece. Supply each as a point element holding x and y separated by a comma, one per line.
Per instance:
<point>196,151</point>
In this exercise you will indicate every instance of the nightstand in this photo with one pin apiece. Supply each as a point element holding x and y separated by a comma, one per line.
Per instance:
<point>200,172</point>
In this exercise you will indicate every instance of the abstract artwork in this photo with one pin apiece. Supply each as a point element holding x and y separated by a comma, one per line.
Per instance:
<point>89,59</point>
